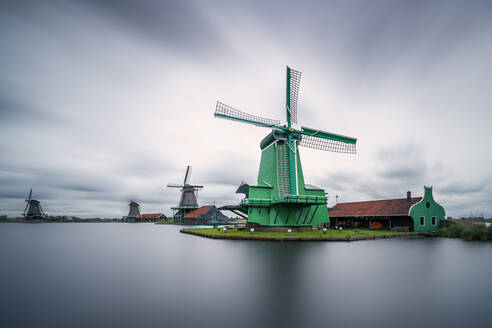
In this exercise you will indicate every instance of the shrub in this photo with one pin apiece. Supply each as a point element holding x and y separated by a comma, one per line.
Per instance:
<point>467,231</point>
<point>474,233</point>
<point>467,234</point>
<point>452,232</point>
<point>484,234</point>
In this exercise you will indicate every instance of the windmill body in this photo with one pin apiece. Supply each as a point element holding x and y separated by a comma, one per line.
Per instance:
<point>281,197</point>
<point>134,211</point>
<point>188,200</point>
<point>33,208</point>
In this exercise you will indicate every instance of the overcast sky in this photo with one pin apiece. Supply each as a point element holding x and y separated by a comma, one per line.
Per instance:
<point>106,101</point>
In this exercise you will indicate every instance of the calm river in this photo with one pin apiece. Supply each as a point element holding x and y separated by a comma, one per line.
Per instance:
<point>139,275</point>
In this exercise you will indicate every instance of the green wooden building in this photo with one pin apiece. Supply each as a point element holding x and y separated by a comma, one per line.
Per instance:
<point>419,214</point>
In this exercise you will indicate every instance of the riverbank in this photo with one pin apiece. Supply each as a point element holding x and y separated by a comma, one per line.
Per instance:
<point>314,235</point>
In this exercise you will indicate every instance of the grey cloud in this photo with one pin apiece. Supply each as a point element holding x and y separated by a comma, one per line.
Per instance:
<point>103,102</point>
<point>403,172</point>
<point>167,23</point>
<point>144,165</point>
<point>231,172</point>
<point>11,110</point>
<point>400,153</point>
<point>14,108</point>
<point>464,187</point>
<point>78,187</point>
<point>400,168</point>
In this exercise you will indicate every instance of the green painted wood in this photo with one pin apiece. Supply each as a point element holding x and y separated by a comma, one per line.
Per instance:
<point>426,208</point>
<point>326,135</point>
<point>268,205</point>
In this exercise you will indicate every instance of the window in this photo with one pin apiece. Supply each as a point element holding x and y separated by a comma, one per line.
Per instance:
<point>422,220</point>
<point>433,220</point>
<point>427,204</point>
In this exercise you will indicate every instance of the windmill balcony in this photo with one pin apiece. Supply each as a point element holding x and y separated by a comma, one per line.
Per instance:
<point>255,202</point>
<point>301,199</point>
<point>184,207</point>
<point>292,199</point>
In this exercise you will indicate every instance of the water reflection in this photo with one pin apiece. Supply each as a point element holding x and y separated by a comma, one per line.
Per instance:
<point>149,275</point>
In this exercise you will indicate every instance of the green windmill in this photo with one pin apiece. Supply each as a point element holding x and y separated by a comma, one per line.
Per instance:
<point>281,198</point>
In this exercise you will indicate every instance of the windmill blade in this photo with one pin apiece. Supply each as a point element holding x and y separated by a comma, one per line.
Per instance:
<point>30,194</point>
<point>187,175</point>
<point>174,185</point>
<point>27,205</point>
<point>227,112</point>
<point>194,186</point>
<point>327,141</point>
<point>293,82</point>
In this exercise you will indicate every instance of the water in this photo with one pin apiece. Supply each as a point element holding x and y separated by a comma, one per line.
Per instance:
<point>140,275</point>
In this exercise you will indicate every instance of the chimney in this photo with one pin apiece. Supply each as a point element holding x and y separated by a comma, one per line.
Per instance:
<point>409,195</point>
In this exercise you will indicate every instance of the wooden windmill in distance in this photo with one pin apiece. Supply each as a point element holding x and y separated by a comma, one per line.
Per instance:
<point>33,208</point>
<point>134,211</point>
<point>188,200</point>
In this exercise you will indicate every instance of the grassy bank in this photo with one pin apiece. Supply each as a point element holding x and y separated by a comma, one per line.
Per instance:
<point>331,234</point>
<point>467,231</point>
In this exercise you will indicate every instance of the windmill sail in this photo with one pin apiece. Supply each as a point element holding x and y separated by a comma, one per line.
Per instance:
<point>327,141</point>
<point>293,82</point>
<point>228,112</point>
<point>187,175</point>
<point>194,186</point>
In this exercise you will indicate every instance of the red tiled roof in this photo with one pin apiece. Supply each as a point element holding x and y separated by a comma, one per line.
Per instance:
<point>150,216</point>
<point>385,207</point>
<point>199,211</point>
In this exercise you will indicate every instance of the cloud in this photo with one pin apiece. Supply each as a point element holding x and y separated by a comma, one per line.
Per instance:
<point>103,102</point>
<point>464,187</point>
<point>170,24</point>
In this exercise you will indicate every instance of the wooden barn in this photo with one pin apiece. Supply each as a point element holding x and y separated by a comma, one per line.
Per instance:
<point>151,217</point>
<point>401,214</point>
<point>208,214</point>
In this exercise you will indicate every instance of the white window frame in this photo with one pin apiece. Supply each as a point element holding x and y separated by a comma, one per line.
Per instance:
<point>433,221</point>
<point>420,221</point>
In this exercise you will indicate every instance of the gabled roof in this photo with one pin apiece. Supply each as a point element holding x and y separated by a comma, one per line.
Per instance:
<point>150,216</point>
<point>310,186</point>
<point>385,207</point>
<point>243,189</point>
<point>199,211</point>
